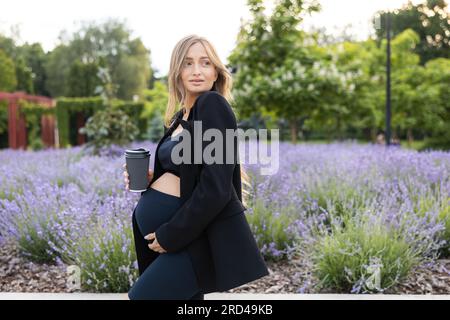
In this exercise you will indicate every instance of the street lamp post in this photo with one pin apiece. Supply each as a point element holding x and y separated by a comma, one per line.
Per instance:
<point>388,78</point>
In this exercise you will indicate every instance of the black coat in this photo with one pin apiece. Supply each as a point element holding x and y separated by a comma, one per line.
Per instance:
<point>211,222</point>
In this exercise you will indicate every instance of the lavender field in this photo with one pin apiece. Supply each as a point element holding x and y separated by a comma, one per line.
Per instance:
<point>358,218</point>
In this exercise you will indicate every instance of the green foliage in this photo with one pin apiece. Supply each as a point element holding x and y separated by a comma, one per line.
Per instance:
<point>282,69</point>
<point>8,81</point>
<point>106,265</point>
<point>362,257</point>
<point>35,58</point>
<point>406,77</point>
<point>28,60</point>
<point>286,78</point>
<point>434,90</point>
<point>108,45</point>
<point>33,114</point>
<point>83,79</point>
<point>264,44</point>
<point>3,117</point>
<point>154,109</point>
<point>444,215</point>
<point>428,19</point>
<point>108,127</point>
<point>57,66</point>
<point>155,128</point>
<point>107,88</point>
<point>156,99</point>
<point>24,76</point>
<point>35,235</point>
<point>270,228</point>
<point>443,206</point>
<point>337,89</point>
<point>133,72</point>
<point>66,108</point>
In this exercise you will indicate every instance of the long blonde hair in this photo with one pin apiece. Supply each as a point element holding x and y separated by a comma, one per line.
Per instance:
<point>177,93</point>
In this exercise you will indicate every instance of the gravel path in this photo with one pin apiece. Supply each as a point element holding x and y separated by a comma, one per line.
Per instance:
<point>19,275</point>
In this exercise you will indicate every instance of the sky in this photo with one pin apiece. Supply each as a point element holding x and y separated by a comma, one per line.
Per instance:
<point>160,24</point>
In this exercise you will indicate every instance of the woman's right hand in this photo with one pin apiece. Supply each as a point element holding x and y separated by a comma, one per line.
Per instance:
<point>126,177</point>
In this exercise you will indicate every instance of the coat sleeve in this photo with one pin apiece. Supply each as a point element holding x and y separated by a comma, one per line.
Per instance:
<point>213,190</point>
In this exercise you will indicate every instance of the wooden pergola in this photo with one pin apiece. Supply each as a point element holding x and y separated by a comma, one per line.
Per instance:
<point>17,132</point>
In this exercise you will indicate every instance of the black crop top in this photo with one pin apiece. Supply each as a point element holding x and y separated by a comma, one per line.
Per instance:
<point>164,151</point>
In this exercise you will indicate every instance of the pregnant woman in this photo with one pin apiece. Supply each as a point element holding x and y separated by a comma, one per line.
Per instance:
<point>190,231</point>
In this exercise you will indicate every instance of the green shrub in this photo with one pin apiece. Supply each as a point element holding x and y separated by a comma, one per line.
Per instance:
<point>108,127</point>
<point>106,257</point>
<point>362,258</point>
<point>427,203</point>
<point>271,230</point>
<point>35,237</point>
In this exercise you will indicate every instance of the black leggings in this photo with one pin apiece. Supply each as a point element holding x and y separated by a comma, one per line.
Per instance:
<point>169,275</point>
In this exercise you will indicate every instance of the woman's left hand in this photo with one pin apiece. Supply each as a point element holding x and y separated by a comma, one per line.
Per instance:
<point>154,245</point>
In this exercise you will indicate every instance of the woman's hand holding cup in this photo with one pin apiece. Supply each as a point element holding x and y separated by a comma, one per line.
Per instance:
<point>126,176</point>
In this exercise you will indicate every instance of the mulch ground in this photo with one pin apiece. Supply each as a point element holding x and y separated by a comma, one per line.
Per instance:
<point>19,275</point>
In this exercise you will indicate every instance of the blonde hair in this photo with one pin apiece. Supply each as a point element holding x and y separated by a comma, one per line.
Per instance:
<point>177,93</point>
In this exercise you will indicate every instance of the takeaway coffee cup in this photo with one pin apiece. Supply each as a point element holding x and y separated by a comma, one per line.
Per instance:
<point>137,161</point>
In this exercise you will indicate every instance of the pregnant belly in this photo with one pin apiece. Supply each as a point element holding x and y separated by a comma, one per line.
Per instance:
<point>167,183</point>
<point>155,208</point>
<point>158,203</point>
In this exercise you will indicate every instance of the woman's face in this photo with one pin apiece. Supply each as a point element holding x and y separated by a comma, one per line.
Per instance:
<point>198,73</point>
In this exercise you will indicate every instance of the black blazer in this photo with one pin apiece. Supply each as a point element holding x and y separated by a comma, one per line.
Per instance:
<point>211,224</point>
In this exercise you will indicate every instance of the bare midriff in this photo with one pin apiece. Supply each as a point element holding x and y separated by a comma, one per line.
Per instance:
<point>168,182</point>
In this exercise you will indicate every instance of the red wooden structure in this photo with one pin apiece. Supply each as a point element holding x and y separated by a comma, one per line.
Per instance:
<point>17,132</point>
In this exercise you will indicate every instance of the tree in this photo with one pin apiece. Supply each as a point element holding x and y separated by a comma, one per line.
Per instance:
<point>34,58</point>
<point>436,116</point>
<point>267,46</point>
<point>406,76</point>
<point>83,79</point>
<point>8,80</point>
<point>108,45</point>
<point>108,126</point>
<point>24,76</point>
<point>57,67</point>
<point>8,46</point>
<point>155,106</point>
<point>343,88</point>
<point>430,20</point>
<point>29,62</point>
